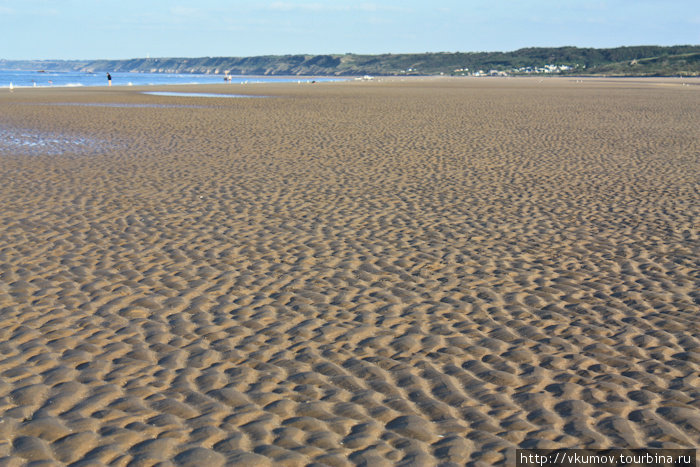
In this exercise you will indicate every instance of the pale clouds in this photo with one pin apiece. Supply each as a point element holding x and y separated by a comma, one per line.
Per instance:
<point>326,7</point>
<point>184,11</point>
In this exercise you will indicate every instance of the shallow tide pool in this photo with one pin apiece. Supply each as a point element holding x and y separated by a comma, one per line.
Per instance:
<point>198,94</point>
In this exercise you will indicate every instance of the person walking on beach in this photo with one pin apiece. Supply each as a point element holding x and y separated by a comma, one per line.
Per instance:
<point>109,79</point>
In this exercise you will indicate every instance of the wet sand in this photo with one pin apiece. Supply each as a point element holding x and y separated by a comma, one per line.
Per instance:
<point>419,272</point>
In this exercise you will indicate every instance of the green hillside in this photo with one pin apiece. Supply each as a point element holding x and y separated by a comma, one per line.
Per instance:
<point>620,61</point>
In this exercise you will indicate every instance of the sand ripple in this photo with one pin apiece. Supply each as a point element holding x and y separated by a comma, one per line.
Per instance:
<point>358,273</point>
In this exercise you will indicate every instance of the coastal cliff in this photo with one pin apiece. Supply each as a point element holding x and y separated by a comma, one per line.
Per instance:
<point>621,61</point>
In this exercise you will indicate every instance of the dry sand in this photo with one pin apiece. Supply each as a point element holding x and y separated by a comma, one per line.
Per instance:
<point>377,273</point>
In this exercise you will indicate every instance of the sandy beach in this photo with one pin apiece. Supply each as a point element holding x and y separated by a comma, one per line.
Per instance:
<point>395,272</point>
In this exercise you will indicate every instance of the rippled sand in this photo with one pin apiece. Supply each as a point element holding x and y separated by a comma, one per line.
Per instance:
<point>377,273</point>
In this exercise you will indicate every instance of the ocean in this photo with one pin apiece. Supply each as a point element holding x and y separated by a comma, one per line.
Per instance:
<point>74,78</point>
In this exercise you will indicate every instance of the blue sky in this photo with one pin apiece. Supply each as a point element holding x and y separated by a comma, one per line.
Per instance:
<point>91,29</point>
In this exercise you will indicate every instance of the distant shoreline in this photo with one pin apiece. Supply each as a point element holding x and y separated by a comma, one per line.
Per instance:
<point>636,61</point>
<point>252,86</point>
<point>77,79</point>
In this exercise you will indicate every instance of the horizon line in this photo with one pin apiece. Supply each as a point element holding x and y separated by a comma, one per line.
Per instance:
<point>339,54</point>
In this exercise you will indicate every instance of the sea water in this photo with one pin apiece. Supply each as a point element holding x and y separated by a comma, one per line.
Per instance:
<point>198,94</point>
<point>76,78</point>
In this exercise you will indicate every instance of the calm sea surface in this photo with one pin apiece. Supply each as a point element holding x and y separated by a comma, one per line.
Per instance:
<point>72,78</point>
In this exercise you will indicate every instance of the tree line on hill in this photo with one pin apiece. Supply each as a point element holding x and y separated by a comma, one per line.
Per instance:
<point>683,60</point>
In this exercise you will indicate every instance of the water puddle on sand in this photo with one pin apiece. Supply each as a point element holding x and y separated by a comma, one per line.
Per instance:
<point>124,105</point>
<point>199,94</point>
<point>33,142</point>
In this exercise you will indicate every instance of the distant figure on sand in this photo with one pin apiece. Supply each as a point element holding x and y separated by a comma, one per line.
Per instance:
<point>109,79</point>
